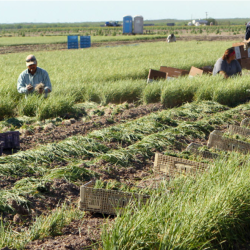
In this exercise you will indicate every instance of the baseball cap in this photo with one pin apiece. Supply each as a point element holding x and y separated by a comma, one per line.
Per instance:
<point>30,59</point>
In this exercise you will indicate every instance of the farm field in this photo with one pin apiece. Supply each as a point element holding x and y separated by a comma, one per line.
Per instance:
<point>103,121</point>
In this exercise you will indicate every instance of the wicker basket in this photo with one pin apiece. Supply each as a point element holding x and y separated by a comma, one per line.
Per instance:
<point>107,201</point>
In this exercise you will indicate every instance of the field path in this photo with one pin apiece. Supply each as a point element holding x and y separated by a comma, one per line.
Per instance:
<point>63,46</point>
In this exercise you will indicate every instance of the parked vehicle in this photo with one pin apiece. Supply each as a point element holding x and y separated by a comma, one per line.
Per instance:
<point>112,24</point>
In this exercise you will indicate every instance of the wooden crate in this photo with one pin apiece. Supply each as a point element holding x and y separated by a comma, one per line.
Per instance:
<point>107,201</point>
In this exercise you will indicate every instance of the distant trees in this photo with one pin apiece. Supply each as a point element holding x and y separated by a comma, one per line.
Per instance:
<point>212,20</point>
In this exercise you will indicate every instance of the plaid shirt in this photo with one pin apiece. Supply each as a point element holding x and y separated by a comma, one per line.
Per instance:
<point>25,78</point>
<point>247,35</point>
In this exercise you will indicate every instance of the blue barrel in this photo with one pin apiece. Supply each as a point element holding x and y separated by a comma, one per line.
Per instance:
<point>85,42</point>
<point>72,42</point>
<point>127,25</point>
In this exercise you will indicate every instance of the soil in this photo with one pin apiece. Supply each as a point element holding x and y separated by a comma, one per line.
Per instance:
<point>83,234</point>
<point>82,128</point>
<point>63,46</point>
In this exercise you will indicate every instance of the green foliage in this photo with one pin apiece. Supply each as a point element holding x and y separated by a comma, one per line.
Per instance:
<point>119,74</point>
<point>198,213</point>
<point>152,92</point>
<point>176,92</point>
<point>44,226</point>
<point>6,107</point>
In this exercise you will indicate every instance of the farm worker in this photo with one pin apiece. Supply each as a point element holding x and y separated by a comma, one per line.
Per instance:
<point>227,65</point>
<point>171,38</point>
<point>247,35</point>
<point>33,79</point>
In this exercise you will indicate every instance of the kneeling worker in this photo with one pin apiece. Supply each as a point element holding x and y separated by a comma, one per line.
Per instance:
<point>171,38</point>
<point>227,65</point>
<point>33,79</point>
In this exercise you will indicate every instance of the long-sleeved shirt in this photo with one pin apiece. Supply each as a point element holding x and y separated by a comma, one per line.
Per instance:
<point>171,39</point>
<point>26,78</point>
<point>232,68</point>
<point>247,34</point>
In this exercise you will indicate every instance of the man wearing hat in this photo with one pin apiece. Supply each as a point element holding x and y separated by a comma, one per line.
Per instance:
<point>33,79</point>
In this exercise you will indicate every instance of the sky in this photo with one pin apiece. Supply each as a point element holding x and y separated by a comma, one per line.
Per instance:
<point>97,11</point>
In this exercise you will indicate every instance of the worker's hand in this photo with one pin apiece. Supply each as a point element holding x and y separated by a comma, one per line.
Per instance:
<point>224,74</point>
<point>40,91</point>
<point>29,87</point>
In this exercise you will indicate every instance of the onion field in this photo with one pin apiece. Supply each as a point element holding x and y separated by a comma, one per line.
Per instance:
<point>103,121</point>
<point>118,74</point>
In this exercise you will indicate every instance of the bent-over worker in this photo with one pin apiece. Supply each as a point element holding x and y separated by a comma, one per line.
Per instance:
<point>247,37</point>
<point>33,79</point>
<point>247,34</point>
<point>227,65</point>
<point>171,38</point>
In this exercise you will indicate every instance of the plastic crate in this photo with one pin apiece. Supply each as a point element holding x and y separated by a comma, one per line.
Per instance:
<point>233,129</point>
<point>217,140</point>
<point>85,42</point>
<point>173,166</point>
<point>245,122</point>
<point>15,139</point>
<point>194,148</point>
<point>107,201</point>
<point>72,42</point>
<point>10,139</point>
<point>2,139</point>
<point>1,147</point>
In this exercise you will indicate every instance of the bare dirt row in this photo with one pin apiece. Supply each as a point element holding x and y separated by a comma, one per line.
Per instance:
<point>80,234</point>
<point>63,46</point>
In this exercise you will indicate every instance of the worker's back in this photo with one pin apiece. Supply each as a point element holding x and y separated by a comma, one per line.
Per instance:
<point>171,38</point>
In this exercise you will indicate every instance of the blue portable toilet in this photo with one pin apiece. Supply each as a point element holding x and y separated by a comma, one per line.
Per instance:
<point>127,25</point>
<point>85,42</point>
<point>72,42</point>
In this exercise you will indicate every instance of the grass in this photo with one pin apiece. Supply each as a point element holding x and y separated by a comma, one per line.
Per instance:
<point>199,213</point>
<point>119,74</point>
<point>132,142</point>
<point>29,40</point>
<point>44,226</point>
<point>208,212</point>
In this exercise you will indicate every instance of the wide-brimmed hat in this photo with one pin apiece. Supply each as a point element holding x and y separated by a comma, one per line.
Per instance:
<point>30,59</point>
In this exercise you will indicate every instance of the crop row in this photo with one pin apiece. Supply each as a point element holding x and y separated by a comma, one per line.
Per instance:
<point>119,74</point>
<point>167,131</point>
<point>22,31</point>
<point>140,137</point>
<point>208,211</point>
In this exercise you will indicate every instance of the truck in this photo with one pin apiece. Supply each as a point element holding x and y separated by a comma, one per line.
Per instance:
<point>112,24</point>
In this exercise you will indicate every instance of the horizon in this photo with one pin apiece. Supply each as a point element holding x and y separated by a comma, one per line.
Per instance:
<point>102,11</point>
<point>157,20</point>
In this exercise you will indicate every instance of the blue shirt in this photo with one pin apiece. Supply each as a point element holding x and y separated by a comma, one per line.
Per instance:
<point>231,68</point>
<point>25,78</point>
